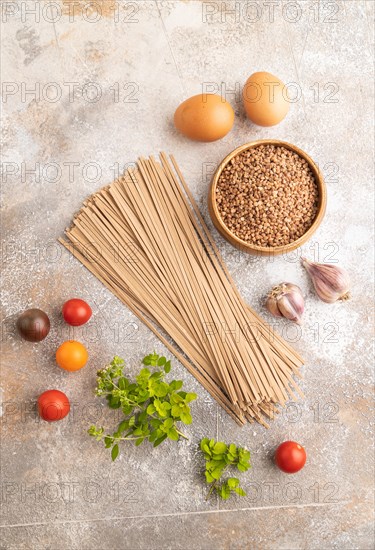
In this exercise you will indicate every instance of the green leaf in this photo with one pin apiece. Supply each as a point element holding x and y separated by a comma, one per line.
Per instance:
<point>177,399</point>
<point>132,421</point>
<point>117,361</point>
<point>242,467</point>
<point>167,367</point>
<point>233,482</point>
<point>142,416</point>
<point>216,474</point>
<point>124,425</point>
<point>220,448</point>
<point>162,411</point>
<point>151,409</point>
<point>161,361</point>
<point>108,441</point>
<point>161,389</point>
<point>233,449</point>
<point>176,385</point>
<point>154,359</point>
<point>143,395</point>
<point>160,440</point>
<point>153,436</point>
<point>244,455</point>
<point>127,409</point>
<point>204,442</point>
<point>206,449</point>
<point>176,411</point>
<point>96,432</point>
<point>224,491</point>
<point>209,477</point>
<point>172,434</point>
<point>168,423</point>
<point>190,397</point>
<point>160,407</point>
<point>114,452</point>
<point>144,429</point>
<point>239,491</point>
<point>186,418</point>
<point>143,376</point>
<point>211,465</point>
<point>139,441</point>
<point>155,422</point>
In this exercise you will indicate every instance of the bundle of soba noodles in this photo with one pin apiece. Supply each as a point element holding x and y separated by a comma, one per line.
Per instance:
<point>144,238</point>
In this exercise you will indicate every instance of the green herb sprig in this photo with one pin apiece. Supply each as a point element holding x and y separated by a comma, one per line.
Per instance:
<point>219,458</point>
<point>151,406</point>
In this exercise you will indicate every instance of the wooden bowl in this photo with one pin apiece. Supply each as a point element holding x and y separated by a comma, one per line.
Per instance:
<point>266,250</point>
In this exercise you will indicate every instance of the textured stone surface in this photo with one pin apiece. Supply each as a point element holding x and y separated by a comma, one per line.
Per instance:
<point>59,488</point>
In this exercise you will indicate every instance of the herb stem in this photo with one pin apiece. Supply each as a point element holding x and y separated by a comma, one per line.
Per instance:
<point>181,434</point>
<point>127,438</point>
<point>211,489</point>
<point>129,401</point>
<point>214,484</point>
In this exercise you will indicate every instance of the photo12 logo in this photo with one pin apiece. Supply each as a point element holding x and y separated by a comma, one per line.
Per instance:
<point>70,92</point>
<point>30,11</point>
<point>68,492</point>
<point>292,92</point>
<point>274,492</point>
<point>269,11</point>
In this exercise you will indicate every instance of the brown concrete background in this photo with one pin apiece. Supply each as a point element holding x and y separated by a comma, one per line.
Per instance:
<point>59,488</point>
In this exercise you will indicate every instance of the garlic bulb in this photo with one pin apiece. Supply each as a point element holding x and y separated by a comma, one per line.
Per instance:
<point>286,300</point>
<point>331,282</point>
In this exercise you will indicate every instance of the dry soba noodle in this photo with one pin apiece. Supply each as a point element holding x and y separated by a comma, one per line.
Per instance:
<point>144,238</point>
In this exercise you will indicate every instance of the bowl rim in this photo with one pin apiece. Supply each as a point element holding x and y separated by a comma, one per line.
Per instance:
<point>226,232</point>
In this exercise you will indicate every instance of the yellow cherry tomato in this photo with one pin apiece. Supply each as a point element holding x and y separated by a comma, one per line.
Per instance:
<point>72,355</point>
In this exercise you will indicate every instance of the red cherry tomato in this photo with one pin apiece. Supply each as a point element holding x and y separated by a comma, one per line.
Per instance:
<point>53,405</point>
<point>76,312</point>
<point>290,457</point>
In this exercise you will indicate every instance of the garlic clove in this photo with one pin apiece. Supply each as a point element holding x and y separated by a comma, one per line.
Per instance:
<point>331,282</point>
<point>291,307</point>
<point>271,305</point>
<point>286,300</point>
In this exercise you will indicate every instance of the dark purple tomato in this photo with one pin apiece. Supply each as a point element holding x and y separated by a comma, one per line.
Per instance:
<point>33,325</point>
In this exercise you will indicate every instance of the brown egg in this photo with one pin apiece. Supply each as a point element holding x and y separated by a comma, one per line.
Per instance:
<point>204,117</point>
<point>265,99</point>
